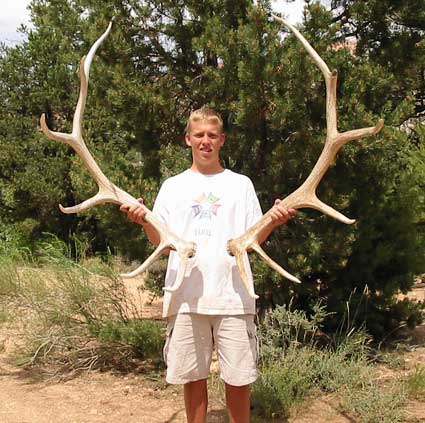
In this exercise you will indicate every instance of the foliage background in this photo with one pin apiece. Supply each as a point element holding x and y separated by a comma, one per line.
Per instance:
<point>165,58</point>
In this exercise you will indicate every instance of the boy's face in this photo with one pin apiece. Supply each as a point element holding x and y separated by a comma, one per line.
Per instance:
<point>206,140</point>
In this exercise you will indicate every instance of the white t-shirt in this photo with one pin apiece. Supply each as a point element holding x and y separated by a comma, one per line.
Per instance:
<point>208,210</point>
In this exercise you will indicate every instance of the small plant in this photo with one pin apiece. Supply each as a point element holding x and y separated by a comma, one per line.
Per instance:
<point>155,278</point>
<point>4,317</point>
<point>375,404</point>
<point>296,362</point>
<point>284,327</point>
<point>284,383</point>
<point>75,314</point>
<point>145,337</point>
<point>392,359</point>
<point>415,383</point>
<point>336,369</point>
<point>292,365</point>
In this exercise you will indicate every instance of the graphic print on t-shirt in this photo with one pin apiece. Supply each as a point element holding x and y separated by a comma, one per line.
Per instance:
<point>205,208</point>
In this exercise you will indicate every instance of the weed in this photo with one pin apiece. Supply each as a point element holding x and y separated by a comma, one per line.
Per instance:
<point>283,327</point>
<point>375,404</point>
<point>4,317</point>
<point>291,365</point>
<point>415,383</point>
<point>216,385</point>
<point>296,363</point>
<point>283,384</point>
<point>334,369</point>
<point>75,314</point>
<point>392,359</point>
<point>146,337</point>
<point>14,245</point>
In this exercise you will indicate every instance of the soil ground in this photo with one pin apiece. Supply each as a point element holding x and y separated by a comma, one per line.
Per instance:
<point>96,397</point>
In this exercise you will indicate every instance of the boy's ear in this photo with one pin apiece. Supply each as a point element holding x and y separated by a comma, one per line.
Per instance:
<point>187,140</point>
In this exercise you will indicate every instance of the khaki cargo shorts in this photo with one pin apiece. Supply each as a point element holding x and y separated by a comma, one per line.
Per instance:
<point>192,337</point>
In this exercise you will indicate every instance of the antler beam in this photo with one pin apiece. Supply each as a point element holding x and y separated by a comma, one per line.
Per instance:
<point>305,196</point>
<point>108,192</point>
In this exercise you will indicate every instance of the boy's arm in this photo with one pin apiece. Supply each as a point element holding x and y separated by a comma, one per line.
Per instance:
<point>279,217</point>
<point>137,214</point>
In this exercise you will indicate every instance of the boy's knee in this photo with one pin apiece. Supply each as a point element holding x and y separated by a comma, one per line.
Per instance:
<point>237,389</point>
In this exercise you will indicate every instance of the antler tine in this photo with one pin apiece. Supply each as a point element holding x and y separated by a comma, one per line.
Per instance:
<point>85,64</point>
<point>183,260</point>
<point>108,192</point>
<point>144,266</point>
<point>274,265</point>
<point>313,53</point>
<point>76,141</point>
<point>305,196</point>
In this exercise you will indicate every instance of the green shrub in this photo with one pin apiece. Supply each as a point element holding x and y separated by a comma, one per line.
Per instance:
<point>334,369</point>
<point>9,279</point>
<point>375,404</point>
<point>415,383</point>
<point>301,370</point>
<point>296,362</point>
<point>155,278</point>
<point>283,327</point>
<point>14,244</point>
<point>146,337</point>
<point>284,384</point>
<point>74,314</point>
<point>4,317</point>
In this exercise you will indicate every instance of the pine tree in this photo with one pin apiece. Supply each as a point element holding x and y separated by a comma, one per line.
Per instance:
<point>166,58</point>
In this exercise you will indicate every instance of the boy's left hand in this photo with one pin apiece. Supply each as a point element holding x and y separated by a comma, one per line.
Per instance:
<point>281,216</point>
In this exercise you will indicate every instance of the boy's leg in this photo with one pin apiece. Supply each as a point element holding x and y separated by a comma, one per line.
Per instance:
<point>187,353</point>
<point>237,350</point>
<point>196,401</point>
<point>238,404</point>
<point>188,348</point>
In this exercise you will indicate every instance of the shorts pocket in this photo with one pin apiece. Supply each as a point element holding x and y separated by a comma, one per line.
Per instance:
<point>253,341</point>
<point>168,334</point>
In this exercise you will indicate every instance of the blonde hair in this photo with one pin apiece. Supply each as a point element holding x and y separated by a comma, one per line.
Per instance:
<point>206,114</point>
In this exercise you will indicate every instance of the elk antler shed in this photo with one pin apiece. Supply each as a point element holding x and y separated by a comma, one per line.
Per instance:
<point>305,196</point>
<point>108,192</point>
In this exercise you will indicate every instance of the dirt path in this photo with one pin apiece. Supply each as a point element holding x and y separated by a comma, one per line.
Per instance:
<point>90,398</point>
<point>106,398</point>
<point>109,398</point>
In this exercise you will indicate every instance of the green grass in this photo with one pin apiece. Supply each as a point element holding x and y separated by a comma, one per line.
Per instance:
<point>284,384</point>
<point>415,383</point>
<point>4,317</point>
<point>75,314</point>
<point>375,404</point>
<point>393,359</point>
<point>145,337</point>
<point>295,368</point>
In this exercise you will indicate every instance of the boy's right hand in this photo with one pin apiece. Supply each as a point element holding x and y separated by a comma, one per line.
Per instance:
<point>135,212</point>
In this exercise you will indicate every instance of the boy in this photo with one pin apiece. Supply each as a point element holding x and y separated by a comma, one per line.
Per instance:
<point>209,205</point>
